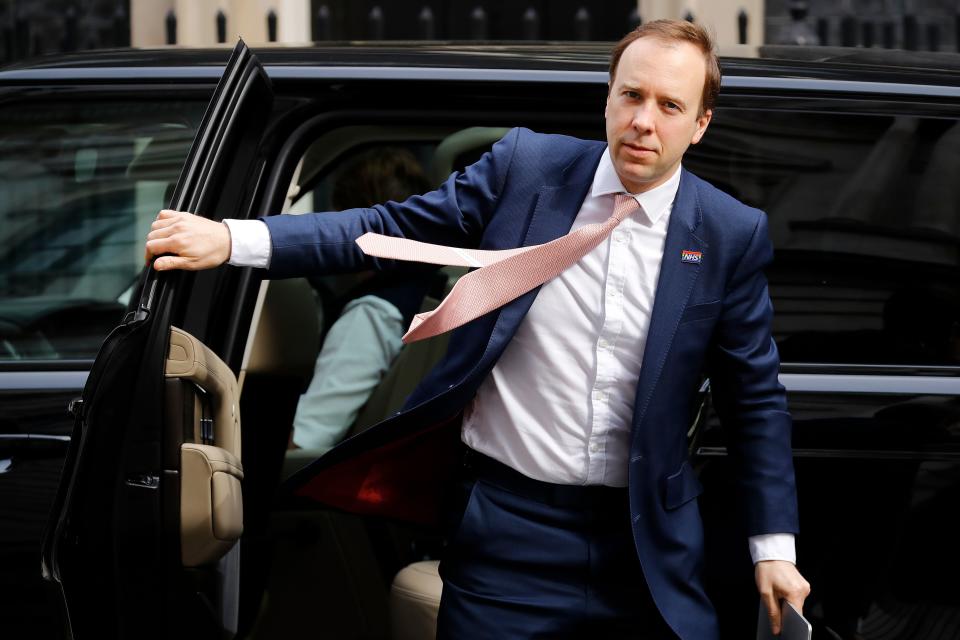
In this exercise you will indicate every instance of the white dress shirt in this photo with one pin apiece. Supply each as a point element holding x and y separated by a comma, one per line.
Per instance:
<point>558,404</point>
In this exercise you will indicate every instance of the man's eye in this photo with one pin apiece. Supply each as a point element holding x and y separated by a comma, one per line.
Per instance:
<point>633,95</point>
<point>672,106</point>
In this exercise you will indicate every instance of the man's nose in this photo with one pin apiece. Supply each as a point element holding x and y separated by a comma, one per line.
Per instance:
<point>643,117</point>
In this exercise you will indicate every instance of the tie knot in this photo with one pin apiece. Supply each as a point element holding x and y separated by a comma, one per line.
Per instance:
<point>624,205</point>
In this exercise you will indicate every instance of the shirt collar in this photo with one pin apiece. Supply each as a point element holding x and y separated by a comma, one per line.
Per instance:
<point>655,202</point>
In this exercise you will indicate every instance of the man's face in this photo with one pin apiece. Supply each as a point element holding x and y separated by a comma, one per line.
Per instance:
<point>653,110</point>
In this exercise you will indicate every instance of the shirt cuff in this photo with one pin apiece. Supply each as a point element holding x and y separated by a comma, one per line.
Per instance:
<point>773,546</point>
<point>249,243</point>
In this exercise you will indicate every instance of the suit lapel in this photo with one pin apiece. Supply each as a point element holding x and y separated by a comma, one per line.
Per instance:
<point>557,205</point>
<point>674,287</point>
<point>556,209</point>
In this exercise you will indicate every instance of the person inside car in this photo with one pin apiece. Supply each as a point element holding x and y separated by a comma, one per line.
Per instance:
<point>371,315</point>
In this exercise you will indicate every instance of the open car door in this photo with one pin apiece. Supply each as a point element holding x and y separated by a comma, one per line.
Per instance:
<point>143,535</point>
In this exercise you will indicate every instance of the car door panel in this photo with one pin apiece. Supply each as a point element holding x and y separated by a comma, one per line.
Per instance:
<point>211,505</point>
<point>150,503</point>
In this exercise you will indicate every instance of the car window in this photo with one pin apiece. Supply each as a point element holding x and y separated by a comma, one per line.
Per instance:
<point>864,214</point>
<point>80,183</point>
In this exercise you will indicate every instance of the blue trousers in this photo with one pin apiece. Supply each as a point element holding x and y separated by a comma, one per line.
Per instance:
<point>536,560</point>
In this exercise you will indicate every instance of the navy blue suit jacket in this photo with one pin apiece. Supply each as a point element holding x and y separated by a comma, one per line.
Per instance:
<point>711,316</point>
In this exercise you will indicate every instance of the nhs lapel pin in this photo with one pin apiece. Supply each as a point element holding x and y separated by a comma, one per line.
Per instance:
<point>691,257</point>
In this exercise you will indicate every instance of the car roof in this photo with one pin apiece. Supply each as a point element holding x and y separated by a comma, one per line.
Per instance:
<point>560,61</point>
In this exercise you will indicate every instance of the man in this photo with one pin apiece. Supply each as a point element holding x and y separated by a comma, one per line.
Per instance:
<point>581,387</point>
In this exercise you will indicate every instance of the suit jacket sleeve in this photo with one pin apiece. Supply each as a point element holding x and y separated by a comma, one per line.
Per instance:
<point>743,365</point>
<point>454,214</point>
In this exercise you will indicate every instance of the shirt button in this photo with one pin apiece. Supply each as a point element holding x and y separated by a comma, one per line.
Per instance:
<point>594,447</point>
<point>603,344</point>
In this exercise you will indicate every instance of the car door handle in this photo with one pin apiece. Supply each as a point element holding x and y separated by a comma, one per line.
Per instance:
<point>189,359</point>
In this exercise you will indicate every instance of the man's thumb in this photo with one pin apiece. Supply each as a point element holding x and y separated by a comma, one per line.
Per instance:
<point>167,263</point>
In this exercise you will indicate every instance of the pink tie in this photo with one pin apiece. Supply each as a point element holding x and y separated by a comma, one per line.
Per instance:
<point>503,274</point>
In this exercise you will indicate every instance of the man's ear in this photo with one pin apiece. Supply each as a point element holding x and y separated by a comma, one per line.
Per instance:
<point>702,122</point>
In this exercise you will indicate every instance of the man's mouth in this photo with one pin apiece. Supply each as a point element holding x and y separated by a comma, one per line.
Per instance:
<point>639,148</point>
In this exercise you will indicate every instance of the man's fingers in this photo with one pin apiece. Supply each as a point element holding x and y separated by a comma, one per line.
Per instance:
<point>773,611</point>
<point>162,227</point>
<point>798,595</point>
<point>778,579</point>
<point>196,242</point>
<point>157,246</point>
<point>164,232</point>
<point>160,223</point>
<point>166,263</point>
<point>168,218</point>
<point>794,590</point>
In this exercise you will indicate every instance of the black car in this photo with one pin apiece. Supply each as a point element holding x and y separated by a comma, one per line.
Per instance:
<point>855,156</point>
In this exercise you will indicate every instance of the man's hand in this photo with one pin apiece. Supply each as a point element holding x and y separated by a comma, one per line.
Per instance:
<point>776,580</point>
<point>197,242</point>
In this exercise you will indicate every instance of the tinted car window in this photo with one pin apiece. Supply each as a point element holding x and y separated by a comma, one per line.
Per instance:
<point>80,183</point>
<point>864,213</point>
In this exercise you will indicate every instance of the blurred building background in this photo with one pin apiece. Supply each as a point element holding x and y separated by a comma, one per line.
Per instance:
<point>30,28</point>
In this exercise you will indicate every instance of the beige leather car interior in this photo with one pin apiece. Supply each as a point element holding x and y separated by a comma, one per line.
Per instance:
<point>415,601</point>
<point>286,336</point>
<point>211,500</point>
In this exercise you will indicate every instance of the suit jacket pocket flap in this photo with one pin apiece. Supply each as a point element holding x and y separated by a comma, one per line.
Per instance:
<point>681,487</point>
<point>701,311</point>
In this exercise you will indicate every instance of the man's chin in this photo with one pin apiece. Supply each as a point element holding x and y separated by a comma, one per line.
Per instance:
<point>638,182</point>
<point>637,178</point>
<point>640,168</point>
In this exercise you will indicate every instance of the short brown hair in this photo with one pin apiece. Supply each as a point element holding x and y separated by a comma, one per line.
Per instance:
<point>376,176</point>
<point>677,31</point>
